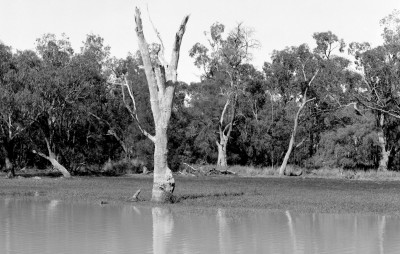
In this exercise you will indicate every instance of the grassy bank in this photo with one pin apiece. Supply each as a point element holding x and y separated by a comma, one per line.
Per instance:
<point>335,173</point>
<point>289,193</point>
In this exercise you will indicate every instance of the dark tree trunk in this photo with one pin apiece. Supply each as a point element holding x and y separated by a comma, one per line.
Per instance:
<point>7,151</point>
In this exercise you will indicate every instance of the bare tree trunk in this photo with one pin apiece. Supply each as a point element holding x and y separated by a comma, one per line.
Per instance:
<point>225,131</point>
<point>293,136</point>
<point>304,101</point>
<point>222,158</point>
<point>9,165</point>
<point>164,183</point>
<point>383,162</point>
<point>9,168</point>
<point>291,142</point>
<point>161,79</point>
<point>53,160</point>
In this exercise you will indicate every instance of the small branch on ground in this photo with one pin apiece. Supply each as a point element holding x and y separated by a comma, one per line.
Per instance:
<point>135,197</point>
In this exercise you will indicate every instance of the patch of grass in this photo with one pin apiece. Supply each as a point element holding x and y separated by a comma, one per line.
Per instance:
<point>249,171</point>
<point>355,174</point>
<point>302,194</point>
<point>375,175</point>
<point>326,172</point>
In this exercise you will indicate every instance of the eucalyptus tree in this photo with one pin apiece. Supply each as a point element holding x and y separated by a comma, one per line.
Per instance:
<point>251,141</point>
<point>67,86</point>
<point>52,94</point>
<point>302,76</point>
<point>17,79</point>
<point>221,62</point>
<point>6,107</point>
<point>379,89</point>
<point>293,72</point>
<point>333,84</point>
<point>84,80</point>
<point>162,79</point>
<point>50,104</point>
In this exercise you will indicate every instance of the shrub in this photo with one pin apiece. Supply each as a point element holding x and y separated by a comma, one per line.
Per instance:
<point>122,167</point>
<point>249,171</point>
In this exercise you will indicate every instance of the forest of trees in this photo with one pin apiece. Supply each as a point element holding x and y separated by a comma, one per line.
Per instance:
<point>335,105</point>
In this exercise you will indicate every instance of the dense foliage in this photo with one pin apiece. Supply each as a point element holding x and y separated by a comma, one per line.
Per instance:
<point>344,101</point>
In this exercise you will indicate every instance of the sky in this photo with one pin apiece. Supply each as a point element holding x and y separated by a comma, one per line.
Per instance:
<point>277,23</point>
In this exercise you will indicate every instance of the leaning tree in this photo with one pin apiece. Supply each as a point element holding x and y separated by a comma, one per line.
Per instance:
<point>161,80</point>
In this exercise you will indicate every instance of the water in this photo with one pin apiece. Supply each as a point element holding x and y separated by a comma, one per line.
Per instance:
<point>57,227</point>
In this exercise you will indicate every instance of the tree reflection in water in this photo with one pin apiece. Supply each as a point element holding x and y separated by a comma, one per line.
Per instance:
<point>163,226</point>
<point>59,227</point>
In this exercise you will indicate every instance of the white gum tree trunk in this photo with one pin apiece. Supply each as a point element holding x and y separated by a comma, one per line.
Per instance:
<point>161,79</point>
<point>292,139</point>
<point>383,162</point>
<point>225,130</point>
<point>304,101</point>
<point>53,160</point>
<point>222,158</point>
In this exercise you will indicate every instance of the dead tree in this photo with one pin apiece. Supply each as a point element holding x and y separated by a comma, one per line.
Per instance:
<point>161,79</point>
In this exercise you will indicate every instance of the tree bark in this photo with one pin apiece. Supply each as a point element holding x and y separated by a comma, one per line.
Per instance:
<point>161,80</point>
<point>163,183</point>
<point>383,161</point>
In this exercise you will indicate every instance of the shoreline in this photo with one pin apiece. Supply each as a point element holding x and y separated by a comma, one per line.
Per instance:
<point>297,194</point>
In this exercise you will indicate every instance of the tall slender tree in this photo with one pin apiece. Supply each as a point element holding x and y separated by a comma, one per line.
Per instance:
<point>222,64</point>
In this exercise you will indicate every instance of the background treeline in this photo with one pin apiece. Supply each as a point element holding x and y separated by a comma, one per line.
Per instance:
<point>334,105</point>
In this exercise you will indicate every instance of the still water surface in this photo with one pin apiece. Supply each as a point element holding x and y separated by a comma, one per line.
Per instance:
<point>57,227</point>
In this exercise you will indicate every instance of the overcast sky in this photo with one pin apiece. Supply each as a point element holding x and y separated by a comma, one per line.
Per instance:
<point>277,23</point>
